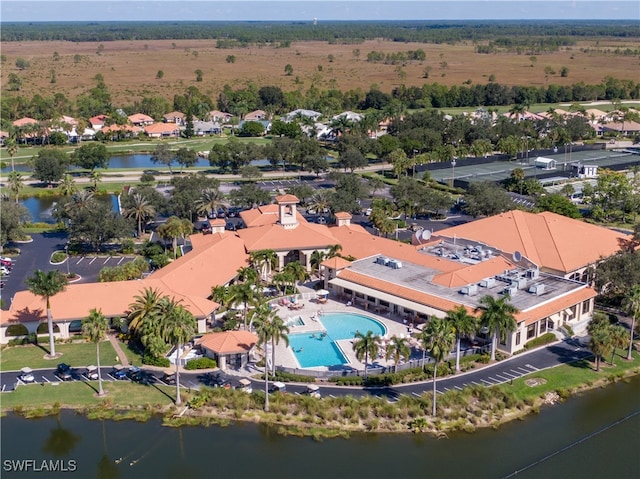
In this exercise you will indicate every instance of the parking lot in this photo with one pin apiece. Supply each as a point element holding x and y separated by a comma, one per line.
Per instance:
<point>37,255</point>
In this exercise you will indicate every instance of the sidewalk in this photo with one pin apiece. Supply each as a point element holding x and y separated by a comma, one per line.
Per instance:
<point>116,345</point>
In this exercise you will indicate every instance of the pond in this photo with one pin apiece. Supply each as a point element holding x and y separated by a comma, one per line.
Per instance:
<point>40,208</point>
<point>593,435</point>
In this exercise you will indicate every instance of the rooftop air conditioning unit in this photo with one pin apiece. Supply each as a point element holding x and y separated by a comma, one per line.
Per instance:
<point>519,283</point>
<point>473,289</point>
<point>533,273</point>
<point>382,260</point>
<point>536,289</point>
<point>397,264</point>
<point>488,283</point>
<point>511,291</point>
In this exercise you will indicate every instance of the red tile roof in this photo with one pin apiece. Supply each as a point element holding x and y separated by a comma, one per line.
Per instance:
<point>287,199</point>
<point>229,342</point>
<point>162,128</point>
<point>275,237</point>
<point>342,215</point>
<point>552,307</point>
<point>550,240</point>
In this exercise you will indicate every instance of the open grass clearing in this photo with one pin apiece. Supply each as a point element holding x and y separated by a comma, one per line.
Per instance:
<point>83,394</point>
<point>570,376</point>
<point>75,355</point>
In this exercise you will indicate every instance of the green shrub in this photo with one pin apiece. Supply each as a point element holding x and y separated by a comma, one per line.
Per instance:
<point>569,330</point>
<point>348,380</point>
<point>290,377</point>
<point>155,361</point>
<point>58,257</point>
<point>128,246</point>
<point>201,363</point>
<point>540,341</point>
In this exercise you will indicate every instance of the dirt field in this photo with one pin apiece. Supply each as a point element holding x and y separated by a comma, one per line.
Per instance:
<point>130,67</point>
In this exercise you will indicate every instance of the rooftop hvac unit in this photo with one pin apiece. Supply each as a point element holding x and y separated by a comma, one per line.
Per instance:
<point>488,283</point>
<point>395,264</point>
<point>511,291</point>
<point>473,289</point>
<point>533,273</point>
<point>519,283</point>
<point>536,289</point>
<point>382,260</point>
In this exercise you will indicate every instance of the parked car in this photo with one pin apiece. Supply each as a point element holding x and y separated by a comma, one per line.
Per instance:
<point>322,220</point>
<point>169,378</point>
<point>27,376</point>
<point>92,373</point>
<point>368,212</point>
<point>120,373</point>
<point>6,263</point>
<point>63,371</point>
<point>4,270</point>
<point>230,226</point>
<point>245,385</point>
<point>313,391</point>
<point>278,387</point>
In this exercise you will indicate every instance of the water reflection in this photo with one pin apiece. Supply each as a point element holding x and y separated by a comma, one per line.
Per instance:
<point>61,442</point>
<point>41,207</point>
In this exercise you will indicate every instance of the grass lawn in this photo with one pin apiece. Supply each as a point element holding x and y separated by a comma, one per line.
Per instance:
<point>78,393</point>
<point>134,357</point>
<point>76,355</point>
<point>569,376</point>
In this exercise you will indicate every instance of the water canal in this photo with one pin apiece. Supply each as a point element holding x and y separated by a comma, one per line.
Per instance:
<point>594,435</point>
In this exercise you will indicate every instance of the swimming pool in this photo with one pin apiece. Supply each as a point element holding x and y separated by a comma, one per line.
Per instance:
<point>318,349</point>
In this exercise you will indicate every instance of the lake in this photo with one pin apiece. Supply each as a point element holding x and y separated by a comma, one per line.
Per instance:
<point>594,435</point>
<point>40,208</point>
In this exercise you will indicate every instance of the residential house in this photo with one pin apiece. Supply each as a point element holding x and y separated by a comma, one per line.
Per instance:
<point>220,116</point>
<point>176,117</point>
<point>256,115</point>
<point>205,128</point>
<point>162,130</point>
<point>140,119</point>
<point>301,113</point>
<point>97,122</point>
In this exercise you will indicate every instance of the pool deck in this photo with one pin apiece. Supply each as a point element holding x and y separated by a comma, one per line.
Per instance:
<point>286,357</point>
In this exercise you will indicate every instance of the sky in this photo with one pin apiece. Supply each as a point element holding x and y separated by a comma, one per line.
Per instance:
<point>307,10</point>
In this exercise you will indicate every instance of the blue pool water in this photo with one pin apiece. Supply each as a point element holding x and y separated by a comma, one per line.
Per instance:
<point>316,349</point>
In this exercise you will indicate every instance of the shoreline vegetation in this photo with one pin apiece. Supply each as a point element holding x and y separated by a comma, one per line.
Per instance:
<point>306,416</point>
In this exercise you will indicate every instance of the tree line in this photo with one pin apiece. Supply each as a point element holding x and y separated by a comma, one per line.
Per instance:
<point>241,100</point>
<point>276,32</point>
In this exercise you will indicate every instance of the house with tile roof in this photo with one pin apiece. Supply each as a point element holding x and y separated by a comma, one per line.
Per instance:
<point>176,117</point>
<point>140,119</point>
<point>162,130</point>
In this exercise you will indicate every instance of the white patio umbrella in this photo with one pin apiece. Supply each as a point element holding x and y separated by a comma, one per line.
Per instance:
<point>322,292</point>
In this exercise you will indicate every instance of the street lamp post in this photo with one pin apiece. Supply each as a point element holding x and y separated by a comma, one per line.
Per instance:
<point>66,250</point>
<point>453,173</point>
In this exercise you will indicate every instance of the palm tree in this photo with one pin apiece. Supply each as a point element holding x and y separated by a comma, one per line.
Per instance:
<point>15,183</point>
<point>68,185</point>
<point>246,274</point>
<point>95,177</point>
<point>245,294</point>
<point>366,346</point>
<point>269,328</point>
<point>141,210</point>
<point>210,200</point>
<point>632,303</point>
<point>316,259</point>
<point>297,272</point>
<point>12,150</point>
<point>47,285</point>
<point>95,327</point>
<point>220,294</point>
<point>145,306</point>
<point>438,338</point>
<point>498,316</point>
<point>599,342</point>
<point>398,348</point>
<point>334,250</point>
<point>265,261</point>
<point>319,202</point>
<point>464,324</point>
<point>174,228</point>
<point>618,338</point>
<point>178,327</point>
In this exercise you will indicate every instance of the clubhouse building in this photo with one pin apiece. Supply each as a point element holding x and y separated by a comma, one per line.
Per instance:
<point>540,260</point>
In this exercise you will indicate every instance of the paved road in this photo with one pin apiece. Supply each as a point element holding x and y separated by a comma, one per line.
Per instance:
<point>499,373</point>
